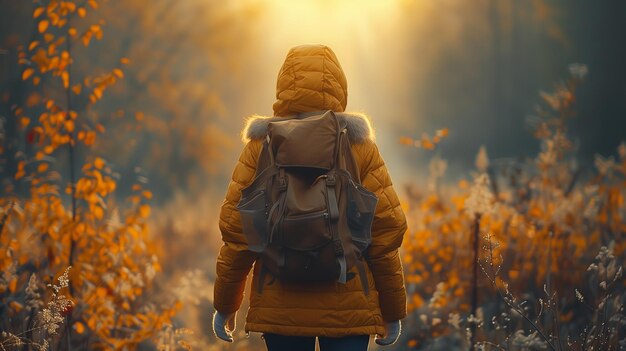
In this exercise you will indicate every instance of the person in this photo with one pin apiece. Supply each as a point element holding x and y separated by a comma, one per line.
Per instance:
<point>290,316</point>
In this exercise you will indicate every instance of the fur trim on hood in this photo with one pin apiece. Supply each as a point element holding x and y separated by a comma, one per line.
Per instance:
<point>358,124</point>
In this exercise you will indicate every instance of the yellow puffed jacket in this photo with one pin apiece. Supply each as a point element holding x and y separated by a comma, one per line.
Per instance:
<point>311,79</point>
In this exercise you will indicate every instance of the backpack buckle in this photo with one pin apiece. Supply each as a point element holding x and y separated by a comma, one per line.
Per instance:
<point>282,180</point>
<point>282,183</point>
<point>331,180</point>
<point>338,247</point>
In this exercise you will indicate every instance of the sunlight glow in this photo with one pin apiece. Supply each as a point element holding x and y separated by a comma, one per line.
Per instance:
<point>363,34</point>
<point>337,22</point>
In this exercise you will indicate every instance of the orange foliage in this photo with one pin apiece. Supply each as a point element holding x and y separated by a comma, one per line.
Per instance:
<point>547,225</point>
<point>108,245</point>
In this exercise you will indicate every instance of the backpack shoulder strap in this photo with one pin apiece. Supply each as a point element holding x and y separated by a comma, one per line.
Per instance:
<point>345,158</point>
<point>264,160</point>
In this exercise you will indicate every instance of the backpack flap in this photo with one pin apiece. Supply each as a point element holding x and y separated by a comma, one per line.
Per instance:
<point>308,142</point>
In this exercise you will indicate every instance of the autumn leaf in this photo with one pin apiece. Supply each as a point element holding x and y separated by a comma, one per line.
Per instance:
<point>38,11</point>
<point>33,45</point>
<point>43,25</point>
<point>406,141</point>
<point>442,132</point>
<point>96,30</point>
<point>97,92</point>
<point>70,6</point>
<point>82,12</point>
<point>86,38</point>
<point>69,126</point>
<point>144,210</point>
<point>20,170</point>
<point>65,76</point>
<point>54,63</point>
<point>427,144</point>
<point>54,17</point>
<point>76,89</point>
<point>51,49</point>
<point>118,72</point>
<point>98,163</point>
<point>27,73</point>
<point>98,212</point>
<point>42,167</point>
<point>24,121</point>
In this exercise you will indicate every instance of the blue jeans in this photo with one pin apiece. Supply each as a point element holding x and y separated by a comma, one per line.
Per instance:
<point>275,342</point>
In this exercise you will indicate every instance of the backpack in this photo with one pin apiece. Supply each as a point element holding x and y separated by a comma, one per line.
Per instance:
<point>306,213</point>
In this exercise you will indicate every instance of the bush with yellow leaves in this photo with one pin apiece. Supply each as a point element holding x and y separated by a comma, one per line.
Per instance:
<point>102,302</point>
<point>531,284</point>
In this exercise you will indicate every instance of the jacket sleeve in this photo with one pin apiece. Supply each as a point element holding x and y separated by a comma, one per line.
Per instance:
<point>234,260</point>
<point>388,231</point>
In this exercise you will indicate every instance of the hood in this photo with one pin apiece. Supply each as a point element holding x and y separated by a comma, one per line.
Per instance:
<point>311,79</point>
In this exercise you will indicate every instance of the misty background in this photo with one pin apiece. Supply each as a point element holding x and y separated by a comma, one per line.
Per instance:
<point>198,68</point>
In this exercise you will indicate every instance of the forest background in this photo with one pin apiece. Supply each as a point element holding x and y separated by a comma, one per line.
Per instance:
<point>502,123</point>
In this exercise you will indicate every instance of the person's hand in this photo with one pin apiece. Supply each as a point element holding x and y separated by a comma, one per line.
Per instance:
<point>392,333</point>
<point>224,325</point>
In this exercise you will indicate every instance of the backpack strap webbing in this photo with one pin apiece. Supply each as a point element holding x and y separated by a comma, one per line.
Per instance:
<point>279,206</point>
<point>343,275</point>
<point>363,276</point>
<point>261,279</point>
<point>333,209</point>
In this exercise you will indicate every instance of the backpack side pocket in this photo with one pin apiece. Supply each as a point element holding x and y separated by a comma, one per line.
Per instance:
<point>253,213</point>
<point>360,213</point>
